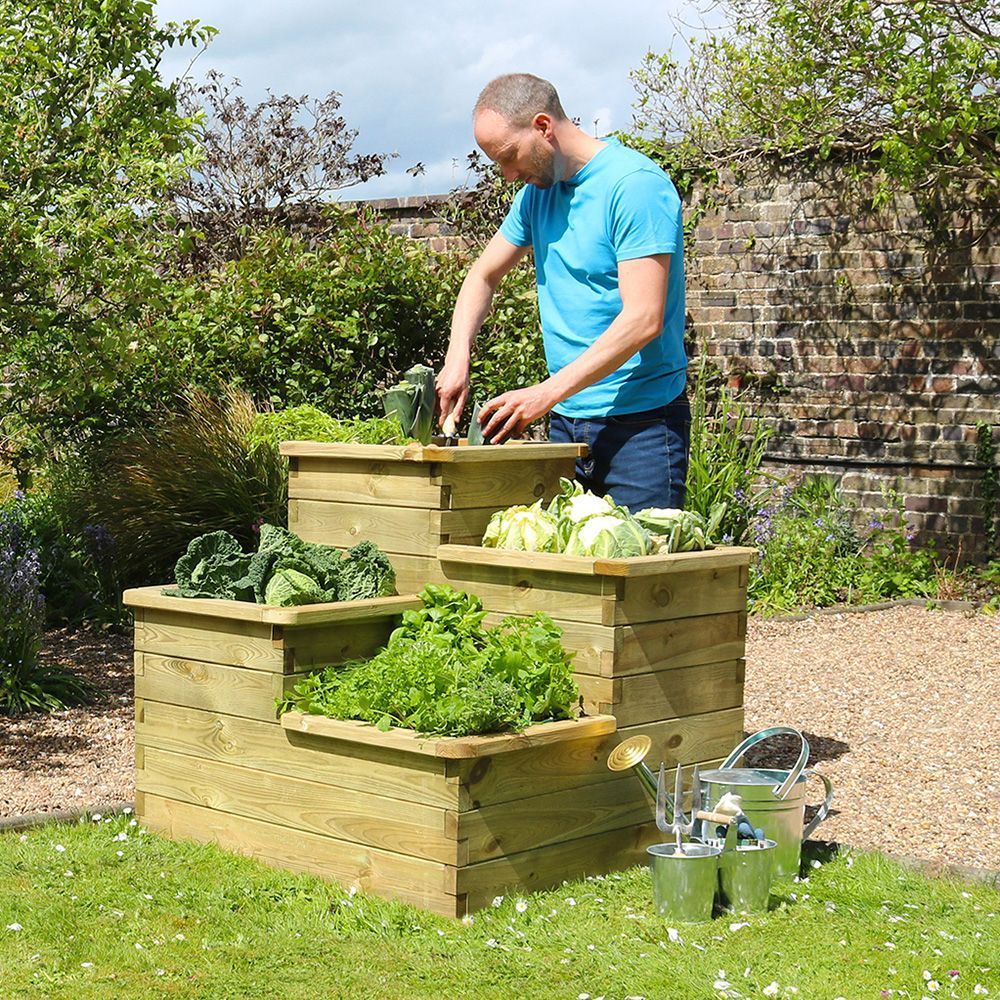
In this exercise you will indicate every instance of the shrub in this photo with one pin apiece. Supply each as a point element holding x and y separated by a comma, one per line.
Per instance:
<point>812,554</point>
<point>25,684</point>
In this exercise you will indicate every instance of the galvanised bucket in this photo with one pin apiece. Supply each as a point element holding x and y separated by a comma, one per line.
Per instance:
<point>745,874</point>
<point>773,800</point>
<point>684,884</point>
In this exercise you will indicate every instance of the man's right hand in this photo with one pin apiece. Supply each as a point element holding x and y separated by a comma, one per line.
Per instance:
<point>452,386</point>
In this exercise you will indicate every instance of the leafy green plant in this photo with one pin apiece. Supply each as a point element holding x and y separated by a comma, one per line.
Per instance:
<point>443,674</point>
<point>309,423</point>
<point>728,445</point>
<point>813,554</point>
<point>25,683</point>
<point>989,485</point>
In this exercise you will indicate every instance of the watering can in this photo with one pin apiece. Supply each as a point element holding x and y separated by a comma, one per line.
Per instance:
<point>772,799</point>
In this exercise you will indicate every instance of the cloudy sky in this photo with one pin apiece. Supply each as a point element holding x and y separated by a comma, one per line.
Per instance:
<point>409,73</point>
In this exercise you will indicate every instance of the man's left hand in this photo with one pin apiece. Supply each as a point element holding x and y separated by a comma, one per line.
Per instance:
<point>508,415</point>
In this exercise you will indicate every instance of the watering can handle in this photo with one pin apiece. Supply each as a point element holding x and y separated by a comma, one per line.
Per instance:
<point>824,809</point>
<point>785,787</point>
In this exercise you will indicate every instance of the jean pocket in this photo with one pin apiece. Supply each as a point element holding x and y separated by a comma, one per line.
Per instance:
<point>637,421</point>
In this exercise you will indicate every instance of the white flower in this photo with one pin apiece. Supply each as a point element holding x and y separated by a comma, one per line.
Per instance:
<point>24,838</point>
<point>120,854</point>
<point>14,927</point>
<point>888,944</point>
<point>138,947</point>
<point>161,972</point>
<point>468,920</point>
<point>96,818</point>
<point>497,901</point>
<point>179,937</point>
<point>735,927</point>
<point>771,989</point>
<point>721,984</point>
<point>86,965</point>
<point>521,905</point>
<point>570,901</point>
<point>980,990</point>
<point>933,985</point>
<point>926,975</point>
<point>583,996</point>
<point>60,848</point>
<point>815,864</point>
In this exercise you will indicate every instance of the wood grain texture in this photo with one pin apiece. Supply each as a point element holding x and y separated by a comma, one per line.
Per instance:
<point>369,818</point>
<point>269,747</point>
<point>451,747</point>
<point>182,635</point>
<point>514,451</point>
<point>427,884</point>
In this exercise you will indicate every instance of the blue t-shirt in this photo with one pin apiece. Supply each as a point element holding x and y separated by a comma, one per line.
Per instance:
<point>619,206</point>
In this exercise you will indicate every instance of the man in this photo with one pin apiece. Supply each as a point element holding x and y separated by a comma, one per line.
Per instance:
<point>605,226</point>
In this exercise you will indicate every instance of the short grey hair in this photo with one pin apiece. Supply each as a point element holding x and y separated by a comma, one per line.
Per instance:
<point>518,97</point>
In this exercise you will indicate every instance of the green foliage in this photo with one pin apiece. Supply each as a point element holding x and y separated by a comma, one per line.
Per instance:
<point>26,684</point>
<point>185,475</point>
<point>728,444</point>
<point>309,423</point>
<point>811,554</point>
<point>90,138</point>
<point>443,674</point>
<point>906,94</point>
<point>284,571</point>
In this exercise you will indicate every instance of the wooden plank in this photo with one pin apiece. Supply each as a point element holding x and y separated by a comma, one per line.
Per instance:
<point>152,597</point>
<point>679,595</point>
<point>342,613</point>
<point>394,484</point>
<point>494,831</point>
<point>421,831</point>
<point>656,565</point>
<point>451,747</point>
<point>414,572</point>
<point>312,646</point>
<point>426,884</point>
<point>514,777</point>
<point>521,590</point>
<point>513,451</point>
<point>546,867</point>
<point>209,686</point>
<point>502,484</point>
<point>667,694</point>
<point>722,556</point>
<point>251,743</point>
<point>215,640</point>
<point>618,650</point>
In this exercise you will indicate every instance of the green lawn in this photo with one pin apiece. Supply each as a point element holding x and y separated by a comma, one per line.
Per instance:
<point>102,908</point>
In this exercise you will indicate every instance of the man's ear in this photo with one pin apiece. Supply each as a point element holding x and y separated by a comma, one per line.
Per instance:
<point>542,123</point>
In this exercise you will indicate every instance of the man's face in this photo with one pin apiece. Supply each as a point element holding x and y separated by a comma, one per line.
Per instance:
<point>522,154</point>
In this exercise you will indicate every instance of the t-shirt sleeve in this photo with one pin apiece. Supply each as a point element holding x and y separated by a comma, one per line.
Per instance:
<point>516,226</point>
<point>645,216</point>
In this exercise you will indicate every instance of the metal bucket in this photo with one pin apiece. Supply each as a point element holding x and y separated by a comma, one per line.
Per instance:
<point>773,800</point>
<point>745,874</point>
<point>684,884</point>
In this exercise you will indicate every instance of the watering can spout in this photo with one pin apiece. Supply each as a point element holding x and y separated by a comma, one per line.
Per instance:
<point>630,754</point>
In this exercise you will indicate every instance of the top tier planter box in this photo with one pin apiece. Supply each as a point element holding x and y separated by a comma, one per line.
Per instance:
<point>410,499</point>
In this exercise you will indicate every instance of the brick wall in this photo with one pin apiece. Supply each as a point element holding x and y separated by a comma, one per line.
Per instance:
<point>869,344</point>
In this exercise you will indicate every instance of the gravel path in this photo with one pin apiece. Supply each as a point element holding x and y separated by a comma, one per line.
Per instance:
<point>901,708</point>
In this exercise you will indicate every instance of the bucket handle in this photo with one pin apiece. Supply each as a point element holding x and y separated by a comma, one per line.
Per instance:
<point>824,809</point>
<point>782,790</point>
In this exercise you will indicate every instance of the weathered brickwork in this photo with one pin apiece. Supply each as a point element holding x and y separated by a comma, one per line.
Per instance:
<point>871,347</point>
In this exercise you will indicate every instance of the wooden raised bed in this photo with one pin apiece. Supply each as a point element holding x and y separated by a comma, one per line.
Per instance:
<point>659,641</point>
<point>445,824</point>
<point>410,499</point>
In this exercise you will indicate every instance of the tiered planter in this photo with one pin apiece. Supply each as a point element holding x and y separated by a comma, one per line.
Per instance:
<point>659,640</point>
<point>410,499</point>
<point>444,824</point>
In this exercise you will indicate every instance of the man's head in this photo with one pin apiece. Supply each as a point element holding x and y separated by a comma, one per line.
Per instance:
<point>516,121</point>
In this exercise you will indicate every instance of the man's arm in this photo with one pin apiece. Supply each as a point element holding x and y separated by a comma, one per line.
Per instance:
<point>471,308</point>
<point>642,284</point>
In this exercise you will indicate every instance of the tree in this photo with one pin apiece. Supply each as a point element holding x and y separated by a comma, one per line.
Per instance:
<point>262,164</point>
<point>90,138</point>
<point>905,92</point>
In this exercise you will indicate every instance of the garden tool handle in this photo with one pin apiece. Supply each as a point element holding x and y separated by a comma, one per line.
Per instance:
<point>720,819</point>
<point>824,809</point>
<point>785,787</point>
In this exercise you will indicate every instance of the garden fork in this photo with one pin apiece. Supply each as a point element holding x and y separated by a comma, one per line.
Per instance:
<point>679,825</point>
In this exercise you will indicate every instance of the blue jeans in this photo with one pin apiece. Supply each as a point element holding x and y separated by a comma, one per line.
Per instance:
<point>640,459</point>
